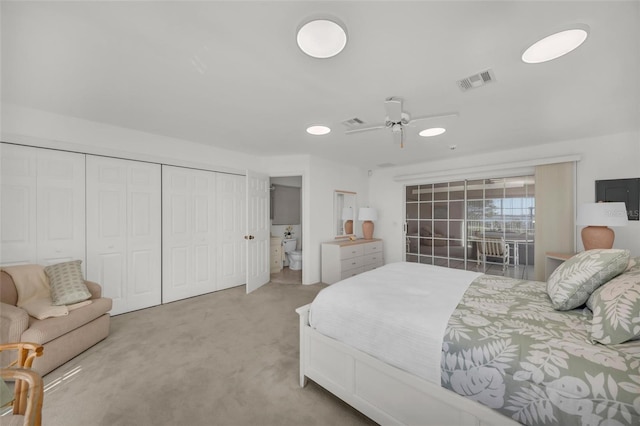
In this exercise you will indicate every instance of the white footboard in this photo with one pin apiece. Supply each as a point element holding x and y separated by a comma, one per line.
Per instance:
<point>384,393</point>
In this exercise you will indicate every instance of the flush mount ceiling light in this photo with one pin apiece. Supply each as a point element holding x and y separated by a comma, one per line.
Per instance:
<point>318,130</point>
<point>556,45</point>
<point>434,131</point>
<point>322,38</point>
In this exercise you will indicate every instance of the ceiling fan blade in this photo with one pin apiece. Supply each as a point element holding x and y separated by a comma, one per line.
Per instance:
<point>394,109</point>
<point>366,129</point>
<point>427,117</point>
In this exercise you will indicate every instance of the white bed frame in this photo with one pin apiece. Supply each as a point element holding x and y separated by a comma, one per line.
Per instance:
<point>386,394</point>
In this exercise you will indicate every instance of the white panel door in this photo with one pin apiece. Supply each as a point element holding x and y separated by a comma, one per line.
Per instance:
<point>60,206</point>
<point>144,235</point>
<point>257,234</point>
<point>124,231</point>
<point>106,228</point>
<point>230,202</point>
<point>188,233</point>
<point>18,179</point>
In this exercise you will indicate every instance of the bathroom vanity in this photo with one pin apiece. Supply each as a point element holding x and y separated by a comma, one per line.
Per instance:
<point>345,258</point>
<point>276,254</point>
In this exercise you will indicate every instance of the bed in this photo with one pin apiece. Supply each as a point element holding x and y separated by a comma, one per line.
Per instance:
<point>418,344</point>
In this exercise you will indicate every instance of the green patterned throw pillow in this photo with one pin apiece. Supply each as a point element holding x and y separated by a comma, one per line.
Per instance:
<point>67,283</point>
<point>571,284</point>
<point>616,309</point>
<point>634,263</point>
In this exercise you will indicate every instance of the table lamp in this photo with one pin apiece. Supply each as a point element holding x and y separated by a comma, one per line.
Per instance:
<point>347,217</point>
<point>368,215</point>
<point>597,217</point>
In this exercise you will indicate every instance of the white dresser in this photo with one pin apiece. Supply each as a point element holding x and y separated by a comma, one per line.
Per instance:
<point>344,258</point>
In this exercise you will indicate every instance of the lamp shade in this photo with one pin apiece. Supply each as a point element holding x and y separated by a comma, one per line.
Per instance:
<point>347,213</point>
<point>602,214</point>
<point>367,213</point>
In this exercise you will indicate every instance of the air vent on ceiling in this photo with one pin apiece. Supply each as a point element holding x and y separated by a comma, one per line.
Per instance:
<point>476,80</point>
<point>382,165</point>
<point>353,123</point>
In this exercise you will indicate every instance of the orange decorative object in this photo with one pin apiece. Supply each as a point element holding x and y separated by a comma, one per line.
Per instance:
<point>367,229</point>
<point>348,227</point>
<point>597,237</point>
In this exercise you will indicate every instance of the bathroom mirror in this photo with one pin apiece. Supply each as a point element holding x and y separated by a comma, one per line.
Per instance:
<point>344,213</point>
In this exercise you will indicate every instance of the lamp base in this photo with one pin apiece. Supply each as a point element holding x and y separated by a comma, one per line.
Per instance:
<point>367,230</point>
<point>348,227</point>
<point>597,237</point>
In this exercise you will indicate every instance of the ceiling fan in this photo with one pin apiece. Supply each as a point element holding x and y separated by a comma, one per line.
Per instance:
<point>397,120</point>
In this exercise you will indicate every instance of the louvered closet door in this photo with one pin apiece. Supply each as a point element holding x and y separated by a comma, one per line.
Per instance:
<point>123,231</point>
<point>230,204</point>
<point>188,233</point>
<point>18,179</point>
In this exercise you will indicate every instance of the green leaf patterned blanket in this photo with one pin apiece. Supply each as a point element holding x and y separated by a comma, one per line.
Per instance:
<point>506,347</point>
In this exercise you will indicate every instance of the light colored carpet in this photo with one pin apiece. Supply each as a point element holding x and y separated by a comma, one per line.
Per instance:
<point>225,358</point>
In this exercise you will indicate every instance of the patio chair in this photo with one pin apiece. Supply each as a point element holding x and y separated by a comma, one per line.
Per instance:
<point>494,248</point>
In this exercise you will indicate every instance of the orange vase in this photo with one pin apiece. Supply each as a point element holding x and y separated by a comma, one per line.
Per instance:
<point>367,229</point>
<point>348,227</point>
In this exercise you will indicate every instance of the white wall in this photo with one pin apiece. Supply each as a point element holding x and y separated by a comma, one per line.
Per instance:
<point>320,178</point>
<point>43,129</point>
<point>604,157</point>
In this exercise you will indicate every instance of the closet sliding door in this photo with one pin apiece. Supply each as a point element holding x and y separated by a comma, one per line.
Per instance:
<point>43,205</point>
<point>188,233</point>
<point>124,231</point>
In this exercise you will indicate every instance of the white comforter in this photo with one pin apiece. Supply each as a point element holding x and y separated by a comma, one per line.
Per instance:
<point>397,313</point>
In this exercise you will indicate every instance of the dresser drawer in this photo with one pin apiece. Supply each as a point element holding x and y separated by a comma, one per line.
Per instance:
<point>352,263</point>
<point>348,252</point>
<point>375,247</point>
<point>351,272</point>
<point>373,265</point>
<point>372,259</point>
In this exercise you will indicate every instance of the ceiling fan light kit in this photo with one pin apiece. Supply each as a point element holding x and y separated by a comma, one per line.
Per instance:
<point>322,38</point>
<point>556,45</point>
<point>397,120</point>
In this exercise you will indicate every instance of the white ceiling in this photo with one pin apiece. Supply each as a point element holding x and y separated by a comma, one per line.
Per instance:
<point>230,74</point>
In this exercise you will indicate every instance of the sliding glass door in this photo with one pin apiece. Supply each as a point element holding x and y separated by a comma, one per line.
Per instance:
<point>435,215</point>
<point>458,224</point>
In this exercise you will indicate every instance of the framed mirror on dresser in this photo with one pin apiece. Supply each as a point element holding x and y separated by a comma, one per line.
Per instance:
<point>344,213</point>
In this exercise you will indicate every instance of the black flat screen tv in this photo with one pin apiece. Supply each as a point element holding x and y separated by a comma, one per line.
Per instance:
<point>627,190</point>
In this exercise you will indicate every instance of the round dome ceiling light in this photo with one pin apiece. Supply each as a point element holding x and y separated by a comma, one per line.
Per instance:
<point>322,38</point>
<point>434,131</point>
<point>318,130</point>
<point>556,45</point>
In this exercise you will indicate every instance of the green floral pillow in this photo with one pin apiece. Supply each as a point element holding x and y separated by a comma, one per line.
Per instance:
<point>634,263</point>
<point>571,284</point>
<point>67,283</point>
<point>616,309</point>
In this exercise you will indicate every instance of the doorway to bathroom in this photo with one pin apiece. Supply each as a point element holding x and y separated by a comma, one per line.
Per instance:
<point>286,229</point>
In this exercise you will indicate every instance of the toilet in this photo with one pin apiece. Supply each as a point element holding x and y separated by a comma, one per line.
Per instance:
<point>293,256</point>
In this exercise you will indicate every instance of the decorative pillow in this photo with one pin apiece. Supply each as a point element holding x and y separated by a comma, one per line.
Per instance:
<point>67,283</point>
<point>571,284</point>
<point>616,309</point>
<point>634,263</point>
